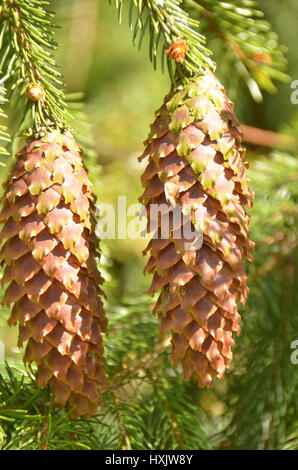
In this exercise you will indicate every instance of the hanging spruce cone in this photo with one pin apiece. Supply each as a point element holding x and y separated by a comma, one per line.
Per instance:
<point>196,164</point>
<point>49,250</point>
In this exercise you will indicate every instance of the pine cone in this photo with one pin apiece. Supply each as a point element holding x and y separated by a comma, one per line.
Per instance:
<point>196,165</point>
<point>49,253</point>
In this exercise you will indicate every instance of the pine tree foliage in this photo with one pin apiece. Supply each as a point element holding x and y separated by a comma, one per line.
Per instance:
<point>27,47</point>
<point>244,41</point>
<point>275,179</point>
<point>30,420</point>
<point>266,400</point>
<point>166,22</point>
<point>266,409</point>
<point>159,416</point>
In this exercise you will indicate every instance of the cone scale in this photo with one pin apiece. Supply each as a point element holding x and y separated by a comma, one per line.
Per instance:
<point>49,251</point>
<point>195,161</point>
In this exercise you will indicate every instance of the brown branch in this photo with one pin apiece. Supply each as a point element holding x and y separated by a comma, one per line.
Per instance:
<point>44,434</point>
<point>175,426</point>
<point>125,441</point>
<point>264,138</point>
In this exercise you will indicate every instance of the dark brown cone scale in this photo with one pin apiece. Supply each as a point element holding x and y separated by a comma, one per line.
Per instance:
<point>196,163</point>
<point>49,250</point>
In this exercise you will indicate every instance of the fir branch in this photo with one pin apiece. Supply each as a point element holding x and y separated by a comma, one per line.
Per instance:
<point>262,137</point>
<point>125,441</point>
<point>246,43</point>
<point>291,441</point>
<point>275,214</point>
<point>26,61</point>
<point>152,400</point>
<point>30,420</point>
<point>263,396</point>
<point>157,412</point>
<point>133,415</point>
<point>4,134</point>
<point>167,22</point>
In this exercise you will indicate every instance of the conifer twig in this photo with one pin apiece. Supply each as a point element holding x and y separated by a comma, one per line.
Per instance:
<point>167,22</point>
<point>254,53</point>
<point>26,58</point>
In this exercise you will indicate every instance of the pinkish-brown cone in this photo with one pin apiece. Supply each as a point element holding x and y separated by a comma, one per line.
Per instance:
<point>196,163</point>
<point>49,251</point>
